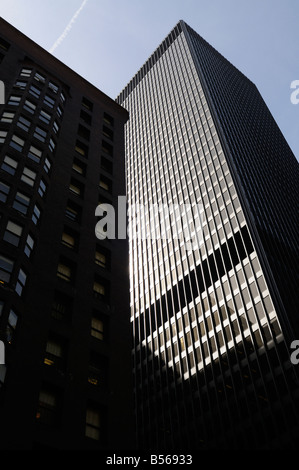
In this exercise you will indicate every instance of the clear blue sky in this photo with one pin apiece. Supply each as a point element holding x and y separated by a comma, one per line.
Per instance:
<point>260,37</point>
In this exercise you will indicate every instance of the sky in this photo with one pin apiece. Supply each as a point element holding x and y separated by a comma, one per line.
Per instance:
<point>107,42</point>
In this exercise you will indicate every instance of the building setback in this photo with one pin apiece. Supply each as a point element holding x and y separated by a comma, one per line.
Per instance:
<point>212,325</point>
<point>64,294</point>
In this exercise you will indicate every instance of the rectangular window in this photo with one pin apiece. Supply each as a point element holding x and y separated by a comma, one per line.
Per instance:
<point>55,127</point>
<point>73,212</point>
<point>69,239</point>
<point>36,214</point>
<point>62,97</point>
<point>76,188</point>
<point>59,111</point>
<point>20,84</point>
<point>83,132</point>
<point>42,188</point>
<point>53,87</point>
<point>48,407</point>
<point>40,134</point>
<point>98,327</point>
<point>4,191</point>
<point>108,119</point>
<point>45,117</point>
<point>35,154</point>
<point>6,267</point>
<point>93,424</point>
<point>39,78</point>
<point>21,282</point>
<point>21,203</point>
<point>106,184</point>
<point>107,148</point>
<point>81,149</point>
<point>3,135</point>
<point>62,307</point>
<point>14,100</point>
<point>26,72</point>
<point>49,101</point>
<point>17,143</point>
<point>87,104</point>
<point>101,289</point>
<point>102,258</point>
<point>4,45</point>
<point>65,271</point>
<point>107,133</point>
<point>29,246</point>
<point>7,117</point>
<point>35,91</point>
<point>86,118</point>
<point>47,166</point>
<point>9,165</point>
<point>28,176</point>
<point>24,123</point>
<point>52,145</point>
<point>55,353</point>
<point>13,233</point>
<point>97,370</point>
<point>79,167</point>
<point>30,107</point>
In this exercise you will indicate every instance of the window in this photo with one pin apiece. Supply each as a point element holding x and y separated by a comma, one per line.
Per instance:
<point>106,184</point>
<point>7,117</point>
<point>29,246</point>
<point>73,212</point>
<point>108,119</point>
<point>55,353</point>
<point>52,145</point>
<point>3,135</point>
<point>21,282</point>
<point>102,258</point>
<point>62,307</point>
<point>30,107</point>
<point>87,104</point>
<point>4,45</point>
<point>39,78</point>
<point>93,423</point>
<point>21,203</point>
<point>48,406</point>
<point>47,166</point>
<point>49,101</point>
<point>35,154</point>
<point>76,188</point>
<point>98,329</point>
<point>81,149</point>
<point>26,72</point>
<point>53,87</point>
<point>4,191</point>
<point>62,97</point>
<point>13,233</point>
<point>79,167</point>
<point>20,84</point>
<point>107,148</point>
<point>65,270</point>
<point>101,289</point>
<point>55,127</point>
<point>14,100</point>
<point>23,123</point>
<point>42,188</point>
<point>45,117</point>
<point>6,267</point>
<point>40,134</point>
<point>69,239</point>
<point>36,214</point>
<point>28,176</point>
<point>9,165</point>
<point>107,133</point>
<point>11,326</point>
<point>83,132</point>
<point>59,111</point>
<point>17,143</point>
<point>86,118</point>
<point>97,371</point>
<point>34,91</point>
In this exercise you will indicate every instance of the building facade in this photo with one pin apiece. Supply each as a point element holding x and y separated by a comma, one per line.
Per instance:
<point>213,324</point>
<point>64,294</point>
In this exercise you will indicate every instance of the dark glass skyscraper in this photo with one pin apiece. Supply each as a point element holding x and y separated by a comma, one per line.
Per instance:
<point>212,325</point>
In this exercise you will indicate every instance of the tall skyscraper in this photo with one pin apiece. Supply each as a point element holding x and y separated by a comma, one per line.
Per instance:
<point>213,324</point>
<point>64,294</point>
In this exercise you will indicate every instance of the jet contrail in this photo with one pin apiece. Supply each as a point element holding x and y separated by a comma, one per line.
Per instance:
<point>68,28</point>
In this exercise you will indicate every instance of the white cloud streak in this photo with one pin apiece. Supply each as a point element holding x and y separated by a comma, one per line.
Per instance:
<point>68,28</point>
